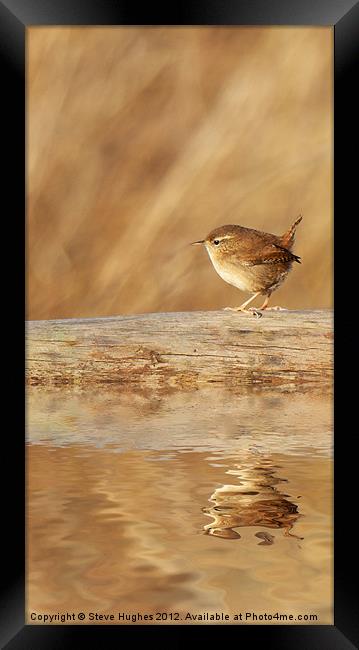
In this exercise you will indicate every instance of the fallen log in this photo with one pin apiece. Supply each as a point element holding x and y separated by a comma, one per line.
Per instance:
<point>170,351</point>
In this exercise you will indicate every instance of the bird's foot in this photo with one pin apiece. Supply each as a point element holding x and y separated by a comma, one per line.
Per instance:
<point>276,308</point>
<point>256,312</point>
<point>250,310</point>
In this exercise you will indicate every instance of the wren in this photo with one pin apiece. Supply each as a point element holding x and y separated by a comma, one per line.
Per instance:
<point>251,260</point>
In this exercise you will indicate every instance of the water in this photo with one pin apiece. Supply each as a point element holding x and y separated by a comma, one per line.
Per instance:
<point>175,506</point>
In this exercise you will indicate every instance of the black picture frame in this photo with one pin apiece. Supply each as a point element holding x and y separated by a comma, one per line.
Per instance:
<point>15,17</point>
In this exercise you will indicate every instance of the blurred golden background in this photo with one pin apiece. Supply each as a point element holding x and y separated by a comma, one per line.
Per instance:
<point>141,140</point>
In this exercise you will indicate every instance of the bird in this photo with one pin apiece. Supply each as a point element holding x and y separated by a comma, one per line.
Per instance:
<point>251,260</point>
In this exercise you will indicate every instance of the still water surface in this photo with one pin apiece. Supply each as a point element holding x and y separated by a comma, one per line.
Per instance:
<point>199,503</point>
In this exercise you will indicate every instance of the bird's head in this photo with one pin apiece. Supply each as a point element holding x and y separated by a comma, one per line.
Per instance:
<point>221,241</point>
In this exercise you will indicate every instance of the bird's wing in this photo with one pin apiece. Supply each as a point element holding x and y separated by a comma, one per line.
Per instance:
<point>270,254</point>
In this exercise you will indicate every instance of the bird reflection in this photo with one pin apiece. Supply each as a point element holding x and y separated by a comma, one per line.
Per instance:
<point>254,501</point>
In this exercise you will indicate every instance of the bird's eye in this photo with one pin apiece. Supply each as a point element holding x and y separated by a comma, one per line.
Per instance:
<point>216,242</point>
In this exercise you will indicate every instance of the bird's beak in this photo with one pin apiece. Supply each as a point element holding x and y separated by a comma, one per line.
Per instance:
<point>195,243</point>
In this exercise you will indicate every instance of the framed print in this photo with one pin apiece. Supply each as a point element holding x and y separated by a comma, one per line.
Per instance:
<point>179,460</point>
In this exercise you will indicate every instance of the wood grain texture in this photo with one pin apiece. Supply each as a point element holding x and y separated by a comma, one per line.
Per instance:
<point>171,351</point>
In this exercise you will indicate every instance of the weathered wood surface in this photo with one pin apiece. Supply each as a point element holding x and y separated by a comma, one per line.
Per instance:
<point>184,350</point>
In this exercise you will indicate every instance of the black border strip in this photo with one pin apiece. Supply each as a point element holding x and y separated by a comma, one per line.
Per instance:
<point>12,62</point>
<point>201,12</point>
<point>346,146</point>
<point>15,16</point>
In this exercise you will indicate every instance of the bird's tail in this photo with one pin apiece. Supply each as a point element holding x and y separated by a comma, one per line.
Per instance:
<point>288,237</point>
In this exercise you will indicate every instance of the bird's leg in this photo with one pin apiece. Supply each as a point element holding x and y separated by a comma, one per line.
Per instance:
<point>265,305</point>
<point>242,307</point>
